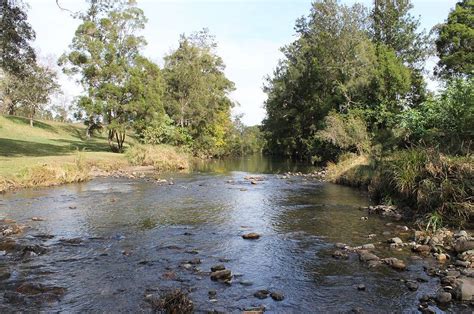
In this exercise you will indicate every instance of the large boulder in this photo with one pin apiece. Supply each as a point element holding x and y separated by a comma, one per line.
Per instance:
<point>464,289</point>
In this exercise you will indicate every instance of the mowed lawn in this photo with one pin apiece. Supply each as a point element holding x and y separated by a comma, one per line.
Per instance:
<point>48,142</point>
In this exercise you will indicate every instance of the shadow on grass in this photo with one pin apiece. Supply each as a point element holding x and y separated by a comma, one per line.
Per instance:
<point>26,121</point>
<point>18,148</point>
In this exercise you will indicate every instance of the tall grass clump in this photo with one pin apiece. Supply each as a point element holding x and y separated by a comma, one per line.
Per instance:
<point>161,157</point>
<point>432,184</point>
<point>48,175</point>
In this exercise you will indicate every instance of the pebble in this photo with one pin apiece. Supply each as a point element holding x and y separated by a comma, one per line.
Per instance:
<point>361,287</point>
<point>251,236</point>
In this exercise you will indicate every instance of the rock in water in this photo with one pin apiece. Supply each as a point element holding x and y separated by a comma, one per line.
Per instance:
<point>412,285</point>
<point>443,297</point>
<point>217,267</point>
<point>251,236</point>
<point>365,256</point>
<point>221,275</point>
<point>261,294</point>
<point>277,296</point>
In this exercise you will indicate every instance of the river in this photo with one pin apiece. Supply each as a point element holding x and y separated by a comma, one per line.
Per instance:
<point>131,237</point>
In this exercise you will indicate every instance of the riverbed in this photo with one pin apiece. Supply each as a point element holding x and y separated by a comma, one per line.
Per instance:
<point>112,241</point>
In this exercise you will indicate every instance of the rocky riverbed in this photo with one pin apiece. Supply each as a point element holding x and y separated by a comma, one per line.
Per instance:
<point>224,241</point>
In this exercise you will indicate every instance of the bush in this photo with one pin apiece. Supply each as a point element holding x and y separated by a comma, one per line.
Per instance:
<point>166,133</point>
<point>161,157</point>
<point>349,132</point>
<point>444,122</point>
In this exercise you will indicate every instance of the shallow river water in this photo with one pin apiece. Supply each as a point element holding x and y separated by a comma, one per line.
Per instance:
<point>135,235</point>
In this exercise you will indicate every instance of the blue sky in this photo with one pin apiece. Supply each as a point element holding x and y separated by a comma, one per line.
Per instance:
<point>249,34</point>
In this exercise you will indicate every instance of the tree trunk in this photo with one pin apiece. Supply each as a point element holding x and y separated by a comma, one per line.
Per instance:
<point>31,121</point>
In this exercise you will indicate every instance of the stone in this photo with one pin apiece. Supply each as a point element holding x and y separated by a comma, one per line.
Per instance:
<point>277,296</point>
<point>217,267</point>
<point>338,254</point>
<point>395,263</point>
<point>37,219</point>
<point>212,293</point>
<point>443,297</point>
<point>396,241</point>
<point>261,294</point>
<point>365,256</point>
<point>464,289</point>
<point>221,275</point>
<point>422,248</point>
<point>412,285</point>
<point>246,283</point>
<point>463,244</point>
<point>195,261</point>
<point>369,246</point>
<point>361,287</point>
<point>462,263</point>
<point>461,233</point>
<point>442,258</point>
<point>251,236</point>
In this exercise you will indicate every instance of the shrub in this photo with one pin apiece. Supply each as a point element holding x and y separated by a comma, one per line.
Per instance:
<point>349,132</point>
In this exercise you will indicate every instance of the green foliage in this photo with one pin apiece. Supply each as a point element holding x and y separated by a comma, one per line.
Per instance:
<point>456,40</point>
<point>197,93</point>
<point>393,26</point>
<point>166,132</point>
<point>105,51</point>
<point>329,67</point>
<point>445,121</point>
<point>348,132</point>
<point>16,53</point>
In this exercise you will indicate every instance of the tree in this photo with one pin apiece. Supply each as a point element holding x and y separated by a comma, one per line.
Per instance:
<point>37,87</point>
<point>393,26</point>
<point>197,91</point>
<point>10,86</point>
<point>104,51</point>
<point>329,67</point>
<point>455,42</point>
<point>16,33</point>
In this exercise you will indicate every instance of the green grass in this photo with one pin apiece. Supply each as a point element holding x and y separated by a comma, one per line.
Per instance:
<point>48,142</point>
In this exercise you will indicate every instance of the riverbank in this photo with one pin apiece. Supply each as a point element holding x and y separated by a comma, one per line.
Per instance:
<point>432,189</point>
<point>53,153</point>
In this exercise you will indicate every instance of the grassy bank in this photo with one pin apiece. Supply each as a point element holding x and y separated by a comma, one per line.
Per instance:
<point>52,153</point>
<point>432,187</point>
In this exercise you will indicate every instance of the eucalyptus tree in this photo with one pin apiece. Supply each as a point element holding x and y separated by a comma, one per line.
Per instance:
<point>103,52</point>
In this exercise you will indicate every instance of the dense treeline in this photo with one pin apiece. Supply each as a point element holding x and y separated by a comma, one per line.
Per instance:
<point>185,103</point>
<point>351,89</point>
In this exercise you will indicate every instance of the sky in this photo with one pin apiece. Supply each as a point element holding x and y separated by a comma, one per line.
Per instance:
<point>249,35</point>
